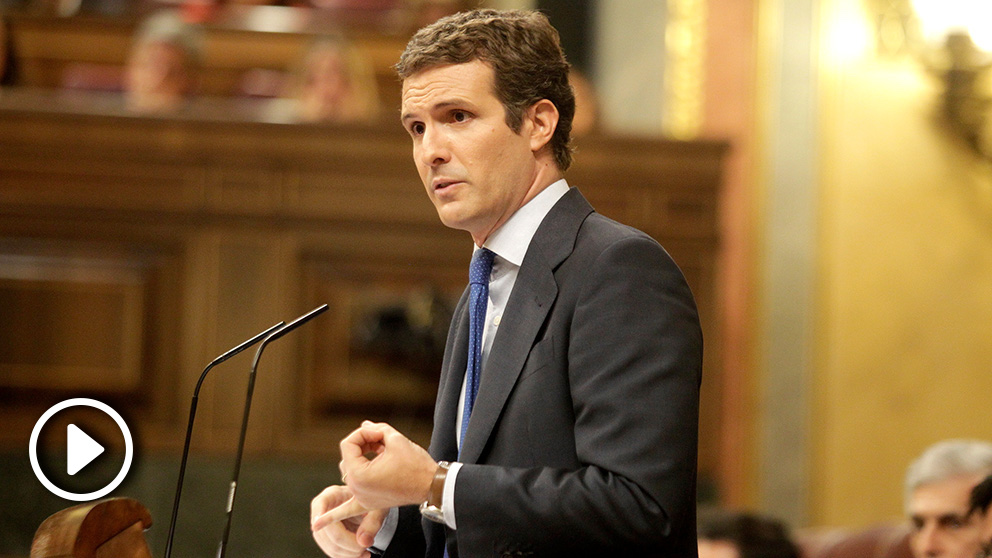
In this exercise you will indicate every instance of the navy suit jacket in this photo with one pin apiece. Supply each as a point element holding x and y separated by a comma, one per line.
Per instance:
<point>584,435</point>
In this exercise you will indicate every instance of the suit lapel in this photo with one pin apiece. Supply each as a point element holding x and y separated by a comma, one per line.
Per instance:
<point>444,444</point>
<point>533,295</point>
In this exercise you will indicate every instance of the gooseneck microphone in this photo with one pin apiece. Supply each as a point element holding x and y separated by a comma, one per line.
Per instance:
<point>244,421</point>
<point>189,426</point>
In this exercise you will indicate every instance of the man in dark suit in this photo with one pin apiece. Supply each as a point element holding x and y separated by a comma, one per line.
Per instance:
<point>566,417</point>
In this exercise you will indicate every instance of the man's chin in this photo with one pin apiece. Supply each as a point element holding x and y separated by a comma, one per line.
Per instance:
<point>452,219</point>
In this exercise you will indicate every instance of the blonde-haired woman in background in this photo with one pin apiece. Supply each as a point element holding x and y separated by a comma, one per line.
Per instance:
<point>334,83</point>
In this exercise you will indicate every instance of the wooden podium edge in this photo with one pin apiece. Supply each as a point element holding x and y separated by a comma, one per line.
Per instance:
<point>112,527</point>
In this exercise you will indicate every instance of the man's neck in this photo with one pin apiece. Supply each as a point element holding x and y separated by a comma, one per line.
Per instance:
<point>546,174</point>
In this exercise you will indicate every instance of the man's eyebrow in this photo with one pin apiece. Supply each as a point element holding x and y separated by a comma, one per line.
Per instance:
<point>940,516</point>
<point>439,105</point>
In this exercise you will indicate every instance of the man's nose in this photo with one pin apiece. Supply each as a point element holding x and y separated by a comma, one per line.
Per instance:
<point>928,541</point>
<point>434,147</point>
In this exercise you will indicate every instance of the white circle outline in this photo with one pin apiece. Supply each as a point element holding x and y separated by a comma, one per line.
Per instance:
<point>76,402</point>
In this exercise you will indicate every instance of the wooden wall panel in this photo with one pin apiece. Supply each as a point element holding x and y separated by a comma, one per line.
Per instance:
<point>45,302</point>
<point>209,230</point>
<point>85,314</point>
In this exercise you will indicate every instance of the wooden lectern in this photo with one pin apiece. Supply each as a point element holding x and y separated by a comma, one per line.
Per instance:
<point>111,528</point>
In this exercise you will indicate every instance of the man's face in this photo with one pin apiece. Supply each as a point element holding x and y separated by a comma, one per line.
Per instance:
<point>940,522</point>
<point>477,170</point>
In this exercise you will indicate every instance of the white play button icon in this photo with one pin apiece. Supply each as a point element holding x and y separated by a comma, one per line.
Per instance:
<point>82,449</point>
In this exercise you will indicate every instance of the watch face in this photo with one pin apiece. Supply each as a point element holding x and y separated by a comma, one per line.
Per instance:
<point>433,513</point>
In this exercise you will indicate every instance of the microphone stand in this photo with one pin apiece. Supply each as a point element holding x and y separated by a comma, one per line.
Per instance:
<point>244,421</point>
<point>189,426</point>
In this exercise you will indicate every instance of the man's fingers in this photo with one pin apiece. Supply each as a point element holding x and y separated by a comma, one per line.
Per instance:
<point>369,438</point>
<point>370,526</point>
<point>351,508</point>
<point>362,440</point>
<point>339,542</point>
<point>329,498</point>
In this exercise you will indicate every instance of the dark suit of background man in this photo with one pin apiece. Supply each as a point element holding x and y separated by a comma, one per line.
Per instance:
<point>583,437</point>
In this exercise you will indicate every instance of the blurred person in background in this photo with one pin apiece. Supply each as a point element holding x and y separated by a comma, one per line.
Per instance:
<point>160,75</point>
<point>728,534</point>
<point>586,105</point>
<point>333,83</point>
<point>938,489</point>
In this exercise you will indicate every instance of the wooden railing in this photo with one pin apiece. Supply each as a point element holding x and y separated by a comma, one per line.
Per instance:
<point>89,51</point>
<point>135,249</point>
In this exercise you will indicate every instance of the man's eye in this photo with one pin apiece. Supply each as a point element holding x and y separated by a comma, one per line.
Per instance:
<point>954,522</point>
<point>417,129</point>
<point>459,116</point>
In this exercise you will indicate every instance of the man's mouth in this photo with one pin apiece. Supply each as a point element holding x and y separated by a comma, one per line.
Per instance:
<point>443,184</point>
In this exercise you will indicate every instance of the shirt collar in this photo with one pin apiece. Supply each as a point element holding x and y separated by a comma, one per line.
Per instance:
<point>511,240</point>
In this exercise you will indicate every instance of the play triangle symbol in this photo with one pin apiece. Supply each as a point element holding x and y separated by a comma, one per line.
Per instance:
<point>81,450</point>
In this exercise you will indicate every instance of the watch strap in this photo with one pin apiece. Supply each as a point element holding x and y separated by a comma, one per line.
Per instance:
<point>431,509</point>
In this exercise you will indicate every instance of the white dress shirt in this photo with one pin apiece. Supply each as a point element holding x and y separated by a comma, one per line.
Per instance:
<point>509,242</point>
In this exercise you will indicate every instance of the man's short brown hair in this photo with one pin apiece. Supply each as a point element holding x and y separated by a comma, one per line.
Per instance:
<point>521,47</point>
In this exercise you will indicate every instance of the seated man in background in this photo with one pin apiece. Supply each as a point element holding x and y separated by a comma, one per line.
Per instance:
<point>938,488</point>
<point>726,534</point>
<point>161,68</point>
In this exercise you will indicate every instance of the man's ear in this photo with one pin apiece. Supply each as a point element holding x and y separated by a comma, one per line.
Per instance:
<point>543,118</point>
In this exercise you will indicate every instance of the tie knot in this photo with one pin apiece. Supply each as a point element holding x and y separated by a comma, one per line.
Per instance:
<point>482,266</point>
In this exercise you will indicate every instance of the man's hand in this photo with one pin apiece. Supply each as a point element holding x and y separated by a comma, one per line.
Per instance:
<point>342,528</point>
<point>399,473</point>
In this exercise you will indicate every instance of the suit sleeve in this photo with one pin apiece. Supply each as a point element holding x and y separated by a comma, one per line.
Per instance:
<point>628,344</point>
<point>408,541</point>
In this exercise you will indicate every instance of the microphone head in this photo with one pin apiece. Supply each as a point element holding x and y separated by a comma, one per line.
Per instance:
<point>295,324</point>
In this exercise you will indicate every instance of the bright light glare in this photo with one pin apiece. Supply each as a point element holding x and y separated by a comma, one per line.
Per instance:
<point>940,17</point>
<point>273,19</point>
<point>849,36</point>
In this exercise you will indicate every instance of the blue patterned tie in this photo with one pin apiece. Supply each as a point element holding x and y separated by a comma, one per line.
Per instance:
<point>482,266</point>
